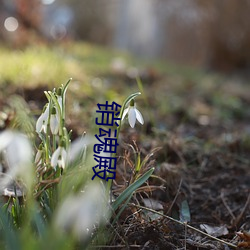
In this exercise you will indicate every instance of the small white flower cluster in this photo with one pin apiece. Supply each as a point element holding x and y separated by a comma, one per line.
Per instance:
<point>50,117</point>
<point>52,121</point>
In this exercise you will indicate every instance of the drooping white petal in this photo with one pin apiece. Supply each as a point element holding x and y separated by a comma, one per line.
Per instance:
<point>39,123</point>
<point>124,113</point>
<point>132,117</point>
<point>133,114</point>
<point>19,151</point>
<point>54,124</point>
<point>18,156</point>
<point>62,161</point>
<point>5,138</point>
<point>139,116</point>
<point>79,214</point>
<point>44,127</point>
<point>55,156</point>
<point>46,112</point>
<point>38,156</point>
<point>59,99</point>
<point>59,157</point>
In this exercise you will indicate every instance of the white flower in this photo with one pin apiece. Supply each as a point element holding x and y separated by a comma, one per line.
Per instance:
<point>59,157</point>
<point>133,114</point>
<point>54,121</point>
<point>39,155</point>
<point>42,122</point>
<point>79,214</point>
<point>59,99</point>
<point>17,152</point>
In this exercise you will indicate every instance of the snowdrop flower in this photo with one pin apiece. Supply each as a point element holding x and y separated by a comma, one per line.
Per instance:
<point>42,122</point>
<point>17,152</point>
<point>59,97</point>
<point>39,154</point>
<point>79,214</point>
<point>133,114</point>
<point>59,157</point>
<point>54,121</point>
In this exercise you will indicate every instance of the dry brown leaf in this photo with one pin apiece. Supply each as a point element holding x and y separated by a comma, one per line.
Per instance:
<point>214,230</point>
<point>152,204</point>
<point>245,236</point>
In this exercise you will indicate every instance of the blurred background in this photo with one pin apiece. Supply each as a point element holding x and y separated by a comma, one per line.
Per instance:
<point>193,60</point>
<point>211,34</point>
<point>181,50</point>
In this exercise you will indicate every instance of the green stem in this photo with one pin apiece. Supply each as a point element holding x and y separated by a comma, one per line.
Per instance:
<point>52,95</point>
<point>65,87</point>
<point>47,140</point>
<point>54,142</point>
<point>128,99</point>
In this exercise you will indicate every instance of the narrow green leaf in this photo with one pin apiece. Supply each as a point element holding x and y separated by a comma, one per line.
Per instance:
<point>138,163</point>
<point>47,95</point>
<point>10,236</point>
<point>139,84</point>
<point>39,222</point>
<point>128,191</point>
<point>53,97</point>
<point>185,212</point>
<point>65,87</point>
<point>122,209</point>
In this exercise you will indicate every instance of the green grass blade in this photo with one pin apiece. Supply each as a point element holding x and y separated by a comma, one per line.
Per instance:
<point>39,223</point>
<point>185,212</point>
<point>138,163</point>
<point>128,191</point>
<point>11,240</point>
<point>122,209</point>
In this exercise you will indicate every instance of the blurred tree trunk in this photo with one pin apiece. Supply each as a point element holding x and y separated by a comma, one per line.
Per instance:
<point>211,33</point>
<point>229,34</point>
<point>28,15</point>
<point>92,20</point>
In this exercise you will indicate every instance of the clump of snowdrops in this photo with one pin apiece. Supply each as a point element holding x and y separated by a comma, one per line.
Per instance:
<point>54,204</point>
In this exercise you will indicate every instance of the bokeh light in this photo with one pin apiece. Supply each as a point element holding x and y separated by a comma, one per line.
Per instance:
<point>48,2</point>
<point>58,31</point>
<point>11,24</point>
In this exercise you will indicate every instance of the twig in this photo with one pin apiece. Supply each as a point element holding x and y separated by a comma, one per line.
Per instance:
<point>48,185</point>
<point>185,242</point>
<point>239,217</point>
<point>175,198</point>
<point>117,246</point>
<point>227,207</point>
<point>184,224</point>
